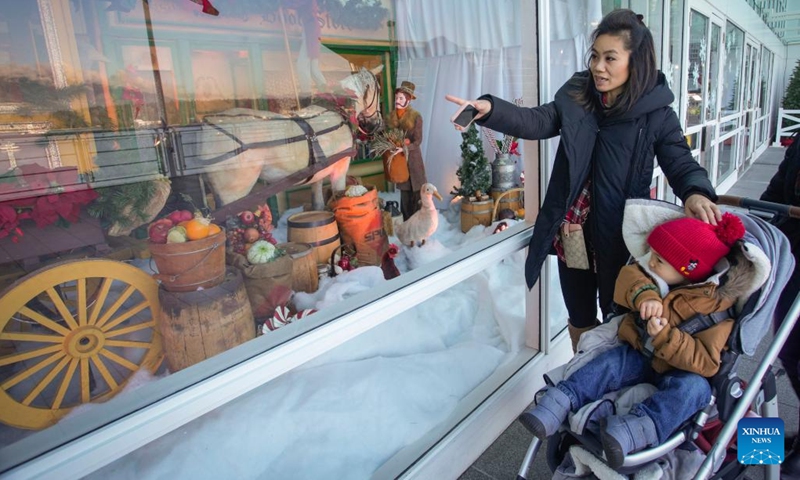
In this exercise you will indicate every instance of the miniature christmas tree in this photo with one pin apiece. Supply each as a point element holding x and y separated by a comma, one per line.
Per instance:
<point>475,174</point>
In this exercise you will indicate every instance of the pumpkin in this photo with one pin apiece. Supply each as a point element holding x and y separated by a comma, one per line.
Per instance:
<point>197,228</point>
<point>261,251</point>
<point>214,229</point>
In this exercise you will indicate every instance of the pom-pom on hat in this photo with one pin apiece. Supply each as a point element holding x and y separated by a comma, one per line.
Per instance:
<point>692,246</point>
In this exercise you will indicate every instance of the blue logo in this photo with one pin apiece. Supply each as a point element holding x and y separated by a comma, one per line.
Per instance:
<point>760,441</point>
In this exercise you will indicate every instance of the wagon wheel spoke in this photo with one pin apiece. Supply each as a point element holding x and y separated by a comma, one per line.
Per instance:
<point>45,381</point>
<point>44,321</point>
<point>128,314</point>
<point>65,383</point>
<point>127,344</point>
<point>81,301</point>
<point>101,367</point>
<point>20,357</point>
<point>25,374</point>
<point>86,394</point>
<point>31,337</point>
<point>102,294</point>
<point>115,306</point>
<point>62,308</point>
<point>133,328</point>
<point>116,358</point>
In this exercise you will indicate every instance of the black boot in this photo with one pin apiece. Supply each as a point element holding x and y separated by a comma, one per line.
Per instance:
<point>790,470</point>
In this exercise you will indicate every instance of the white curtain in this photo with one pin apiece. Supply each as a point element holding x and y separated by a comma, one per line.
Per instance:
<point>461,47</point>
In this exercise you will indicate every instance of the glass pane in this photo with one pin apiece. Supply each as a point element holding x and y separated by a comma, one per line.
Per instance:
<point>753,93</point>
<point>698,53</point>
<point>354,409</point>
<point>732,71</point>
<point>766,77</point>
<point>748,54</point>
<point>125,126</point>
<point>653,12</point>
<point>674,73</point>
<point>728,149</point>
<point>713,73</point>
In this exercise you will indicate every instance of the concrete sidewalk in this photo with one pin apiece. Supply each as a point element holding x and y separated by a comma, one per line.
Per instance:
<point>501,461</point>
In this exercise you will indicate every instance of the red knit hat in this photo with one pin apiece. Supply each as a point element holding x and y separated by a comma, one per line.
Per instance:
<point>692,246</point>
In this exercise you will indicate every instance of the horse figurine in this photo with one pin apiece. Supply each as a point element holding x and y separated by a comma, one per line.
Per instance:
<point>240,146</point>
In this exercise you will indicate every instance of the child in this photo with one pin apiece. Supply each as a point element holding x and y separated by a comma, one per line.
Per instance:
<point>672,283</point>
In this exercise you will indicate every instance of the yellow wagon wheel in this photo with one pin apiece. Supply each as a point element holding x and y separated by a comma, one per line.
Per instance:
<point>85,348</point>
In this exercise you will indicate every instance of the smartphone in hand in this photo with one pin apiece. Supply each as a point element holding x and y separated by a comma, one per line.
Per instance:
<point>464,117</point>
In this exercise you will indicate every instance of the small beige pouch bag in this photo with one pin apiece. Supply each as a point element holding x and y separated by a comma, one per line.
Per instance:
<point>574,244</point>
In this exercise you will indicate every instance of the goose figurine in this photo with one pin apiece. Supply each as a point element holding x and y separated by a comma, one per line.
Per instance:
<point>423,223</point>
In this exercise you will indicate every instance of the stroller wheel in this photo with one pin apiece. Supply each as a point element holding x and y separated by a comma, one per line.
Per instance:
<point>557,448</point>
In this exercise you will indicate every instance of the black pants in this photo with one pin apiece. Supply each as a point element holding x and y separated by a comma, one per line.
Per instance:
<point>582,289</point>
<point>409,203</point>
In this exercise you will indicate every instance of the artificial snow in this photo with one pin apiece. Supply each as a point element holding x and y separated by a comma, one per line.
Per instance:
<point>347,412</point>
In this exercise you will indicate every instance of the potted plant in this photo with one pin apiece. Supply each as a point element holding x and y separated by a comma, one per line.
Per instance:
<point>475,177</point>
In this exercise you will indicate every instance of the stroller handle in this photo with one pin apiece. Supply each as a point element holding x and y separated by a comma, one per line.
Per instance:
<point>760,206</point>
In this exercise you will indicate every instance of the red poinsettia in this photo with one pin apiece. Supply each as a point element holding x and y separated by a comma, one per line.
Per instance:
<point>46,209</point>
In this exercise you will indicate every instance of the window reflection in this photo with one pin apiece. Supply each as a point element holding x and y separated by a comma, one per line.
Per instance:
<point>698,53</point>
<point>732,70</point>
<point>674,69</point>
<point>728,149</point>
<point>713,73</point>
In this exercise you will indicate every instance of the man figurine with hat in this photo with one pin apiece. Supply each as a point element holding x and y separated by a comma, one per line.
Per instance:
<point>410,121</point>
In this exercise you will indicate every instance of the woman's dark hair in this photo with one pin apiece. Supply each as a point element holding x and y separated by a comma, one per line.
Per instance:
<point>638,40</point>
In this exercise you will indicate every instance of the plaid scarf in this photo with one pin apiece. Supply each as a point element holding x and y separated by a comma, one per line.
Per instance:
<point>577,213</point>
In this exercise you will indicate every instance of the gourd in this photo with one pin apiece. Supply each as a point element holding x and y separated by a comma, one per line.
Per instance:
<point>261,251</point>
<point>356,191</point>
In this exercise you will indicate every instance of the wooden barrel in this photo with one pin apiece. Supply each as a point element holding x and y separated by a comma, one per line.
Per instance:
<point>475,213</point>
<point>200,324</point>
<point>305,277</point>
<point>187,266</point>
<point>511,199</point>
<point>318,229</point>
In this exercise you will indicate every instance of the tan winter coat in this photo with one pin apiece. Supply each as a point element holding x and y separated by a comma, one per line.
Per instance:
<point>673,348</point>
<point>411,123</point>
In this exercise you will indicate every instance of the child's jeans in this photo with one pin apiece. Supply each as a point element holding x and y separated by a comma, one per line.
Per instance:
<point>680,393</point>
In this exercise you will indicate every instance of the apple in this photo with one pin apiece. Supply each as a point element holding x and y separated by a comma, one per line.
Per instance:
<point>158,230</point>
<point>247,217</point>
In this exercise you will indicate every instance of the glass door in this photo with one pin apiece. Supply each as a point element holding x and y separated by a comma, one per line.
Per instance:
<point>701,90</point>
<point>751,102</point>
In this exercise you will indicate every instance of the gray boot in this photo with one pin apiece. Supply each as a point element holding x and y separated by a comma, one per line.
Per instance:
<point>624,434</point>
<point>544,419</point>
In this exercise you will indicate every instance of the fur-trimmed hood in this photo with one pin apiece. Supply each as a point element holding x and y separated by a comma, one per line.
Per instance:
<point>738,275</point>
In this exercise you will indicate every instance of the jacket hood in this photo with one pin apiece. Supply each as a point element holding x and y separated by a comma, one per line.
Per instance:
<point>739,275</point>
<point>657,97</point>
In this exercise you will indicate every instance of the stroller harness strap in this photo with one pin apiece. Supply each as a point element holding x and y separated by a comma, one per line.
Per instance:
<point>700,322</point>
<point>695,324</point>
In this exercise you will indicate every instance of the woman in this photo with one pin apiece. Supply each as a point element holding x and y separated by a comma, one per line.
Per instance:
<point>784,187</point>
<point>613,119</point>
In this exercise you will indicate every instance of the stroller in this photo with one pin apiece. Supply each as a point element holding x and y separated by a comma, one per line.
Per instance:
<point>702,446</point>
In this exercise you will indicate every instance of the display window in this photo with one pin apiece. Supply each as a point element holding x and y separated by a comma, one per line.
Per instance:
<point>199,196</point>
